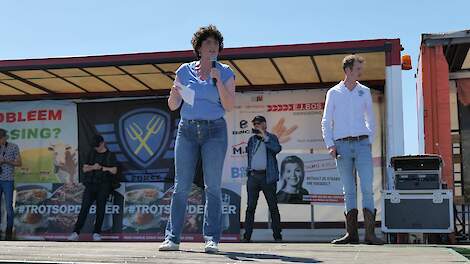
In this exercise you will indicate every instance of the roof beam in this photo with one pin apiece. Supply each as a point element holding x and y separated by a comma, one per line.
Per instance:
<point>278,71</point>
<point>96,95</point>
<point>241,72</point>
<point>133,77</point>
<point>164,72</point>
<point>13,87</point>
<point>14,76</point>
<point>101,79</point>
<point>317,70</point>
<point>377,85</point>
<point>65,80</point>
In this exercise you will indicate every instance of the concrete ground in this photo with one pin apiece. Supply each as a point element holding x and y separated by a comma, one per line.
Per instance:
<point>191,253</point>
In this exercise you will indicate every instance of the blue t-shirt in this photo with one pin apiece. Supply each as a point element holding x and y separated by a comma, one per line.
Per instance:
<point>207,104</point>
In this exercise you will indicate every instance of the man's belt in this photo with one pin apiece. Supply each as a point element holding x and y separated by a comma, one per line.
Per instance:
<point>356,138</point>
<point>258,172</point>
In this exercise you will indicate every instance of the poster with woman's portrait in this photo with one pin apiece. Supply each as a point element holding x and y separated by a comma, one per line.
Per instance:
<point>308,178</point>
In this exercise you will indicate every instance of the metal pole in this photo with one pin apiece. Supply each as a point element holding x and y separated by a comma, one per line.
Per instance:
<point>312,216</point>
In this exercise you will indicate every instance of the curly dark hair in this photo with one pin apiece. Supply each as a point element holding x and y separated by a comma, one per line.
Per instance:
<point>204,33</point>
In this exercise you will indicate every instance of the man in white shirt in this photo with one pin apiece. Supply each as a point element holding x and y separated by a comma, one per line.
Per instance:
<point>348,127</point>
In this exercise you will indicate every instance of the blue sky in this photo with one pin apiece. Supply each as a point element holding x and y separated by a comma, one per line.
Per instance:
<point>36,29</point>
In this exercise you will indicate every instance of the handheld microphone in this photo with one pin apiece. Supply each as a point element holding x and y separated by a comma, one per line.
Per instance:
<point>214,65</point>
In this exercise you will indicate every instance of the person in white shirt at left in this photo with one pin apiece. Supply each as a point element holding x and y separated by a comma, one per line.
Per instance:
<point>348,127</point>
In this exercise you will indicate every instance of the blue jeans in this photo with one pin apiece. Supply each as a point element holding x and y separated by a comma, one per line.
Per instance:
<point>356,155</point>
<point>7,187</point>
<point>195,139</point>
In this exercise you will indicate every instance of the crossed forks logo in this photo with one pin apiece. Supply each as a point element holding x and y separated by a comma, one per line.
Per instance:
<point>144,134</point>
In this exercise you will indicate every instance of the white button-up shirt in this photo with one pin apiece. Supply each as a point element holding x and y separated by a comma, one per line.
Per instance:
<point>348,113</point>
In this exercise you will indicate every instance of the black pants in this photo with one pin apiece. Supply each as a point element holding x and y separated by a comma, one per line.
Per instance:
<point>255,184</point>
<point>92,193</point>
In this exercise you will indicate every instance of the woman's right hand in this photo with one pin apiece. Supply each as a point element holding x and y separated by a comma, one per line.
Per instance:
<point>174,92</point>
<point>175,99</point>
<point>333,152</point>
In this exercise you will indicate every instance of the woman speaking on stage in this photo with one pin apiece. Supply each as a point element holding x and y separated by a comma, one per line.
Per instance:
<point>202,133</point>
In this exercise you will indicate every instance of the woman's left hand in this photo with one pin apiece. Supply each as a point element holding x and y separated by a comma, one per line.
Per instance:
<point>215,74</point>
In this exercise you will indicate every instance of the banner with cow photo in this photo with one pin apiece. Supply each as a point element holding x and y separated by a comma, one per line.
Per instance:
<point>140,132</point>
<point>46,133</point>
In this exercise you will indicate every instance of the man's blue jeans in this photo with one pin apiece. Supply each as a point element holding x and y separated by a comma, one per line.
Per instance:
<point>7,187</point>
<point>356,154</point>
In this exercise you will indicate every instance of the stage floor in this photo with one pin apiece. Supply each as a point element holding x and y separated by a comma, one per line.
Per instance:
<point>117,252</point>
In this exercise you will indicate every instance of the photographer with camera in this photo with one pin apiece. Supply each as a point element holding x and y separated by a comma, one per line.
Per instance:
<point>263,174</point>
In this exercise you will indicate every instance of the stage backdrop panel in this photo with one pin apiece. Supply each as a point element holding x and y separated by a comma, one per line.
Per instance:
<point>140,132</point>
<point>135,212</point>
<point>46,133</point>
<point>49,212</point>
<point>147,208</point>
<point>295,117</point>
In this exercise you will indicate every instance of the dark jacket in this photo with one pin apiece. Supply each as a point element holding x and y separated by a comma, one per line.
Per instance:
<point>106,159</point>
<point>272,149</point>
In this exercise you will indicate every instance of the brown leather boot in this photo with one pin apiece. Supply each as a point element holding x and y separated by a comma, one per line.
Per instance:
<point>369,224</point>
<point>351,236</point>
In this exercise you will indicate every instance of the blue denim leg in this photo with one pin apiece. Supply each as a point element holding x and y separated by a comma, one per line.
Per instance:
<point>345,167</point>
<point>195,139</point>
<point>213,151</point>
<point>186,156</point>
<point>356,155</point>
<point>365,169</point>
<point>7,188</point>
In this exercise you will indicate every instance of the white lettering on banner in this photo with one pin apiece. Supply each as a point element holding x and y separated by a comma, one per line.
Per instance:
<point>63,209</point>
<point>231,209</point>
<point>150,209</point>
<point>191,209</point>
<point>114,209</point>
<point>195,209</point>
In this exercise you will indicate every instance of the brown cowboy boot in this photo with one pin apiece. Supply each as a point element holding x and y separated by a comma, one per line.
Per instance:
<point>351,236</point>
<point>369,225</point>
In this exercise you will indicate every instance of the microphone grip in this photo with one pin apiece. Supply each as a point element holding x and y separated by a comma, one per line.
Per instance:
<point>214,80</point>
